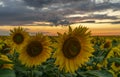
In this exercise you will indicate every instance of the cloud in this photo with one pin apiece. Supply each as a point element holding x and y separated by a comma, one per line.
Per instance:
<point>42,3</point>
<point>117,22</point>
<point>97,16</point>
<point>90,21</point>
<point>82,5</point>
<point>93,17</point>
<point>37,3</point>
<point>20,12</point>
<point>12,12</point>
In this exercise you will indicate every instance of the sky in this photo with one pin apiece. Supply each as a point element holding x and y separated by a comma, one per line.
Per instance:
<point>102,17</point>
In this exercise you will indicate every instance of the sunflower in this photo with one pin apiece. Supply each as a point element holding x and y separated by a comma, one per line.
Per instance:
<point>93,40</point>
<point>107,44</point>
<point>114,52</point>
<point>5,47</point>
<point>73,49</point>
<point>36,51</point>
<point>115,67</point>
<point>5,65</point>
<point>18,37</point>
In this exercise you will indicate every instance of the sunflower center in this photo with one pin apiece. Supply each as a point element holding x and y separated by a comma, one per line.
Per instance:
<point>1,65</point>
<point>18,38</point>
<point>71,47</point>
<point>117,65</point>
<point>34,48</point>
<point>107,45</point>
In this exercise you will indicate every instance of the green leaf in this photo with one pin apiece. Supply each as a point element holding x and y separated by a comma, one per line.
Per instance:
<point>115,59</point>
<point>96,73</point>
<point>5,62</point>
<point>7,73</point>
<point>99,59</point>
<point>38,73</point>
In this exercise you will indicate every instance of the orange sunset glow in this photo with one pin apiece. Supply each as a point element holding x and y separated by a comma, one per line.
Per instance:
<point>96,29</point>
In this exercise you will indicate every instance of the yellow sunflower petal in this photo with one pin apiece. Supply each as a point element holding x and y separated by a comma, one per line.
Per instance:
<point>5,58</point>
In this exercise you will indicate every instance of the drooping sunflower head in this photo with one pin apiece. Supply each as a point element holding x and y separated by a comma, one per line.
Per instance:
<point>93,40</point>
<point>5,49</point>
<point>115,67</point>
<point>36,51</point>
<point>73,49</point>
<point>107,44</point>
<point>18,36</point>
<point>114,52</point>
<point>6,65</point>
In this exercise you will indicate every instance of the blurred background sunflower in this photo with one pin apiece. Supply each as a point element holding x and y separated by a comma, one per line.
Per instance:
<point>73,49</point>
<point>5,47</point>
<point>36,51</point>
<point>115,67</point>
<point>107,44</point>
<point>113,53</point>
<point>18,37</point>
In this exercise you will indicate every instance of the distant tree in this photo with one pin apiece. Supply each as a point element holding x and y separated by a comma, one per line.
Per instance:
<point>64,22</point>
<point>54,20</point>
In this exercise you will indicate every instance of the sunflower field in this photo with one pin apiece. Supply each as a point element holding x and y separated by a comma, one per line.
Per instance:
<point>74,53</point>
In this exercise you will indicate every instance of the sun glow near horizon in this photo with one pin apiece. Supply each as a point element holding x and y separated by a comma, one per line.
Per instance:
<point>96,29</point>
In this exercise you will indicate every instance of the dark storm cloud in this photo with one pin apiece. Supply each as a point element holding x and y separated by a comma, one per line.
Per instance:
<point>37,3</point>
<point>18,12</point>
<point>88,21</point>
<point>17,15</point>
<point>107,6</point>
<point>11,12</point>
<point>42,3</point>
<point>83,5</point>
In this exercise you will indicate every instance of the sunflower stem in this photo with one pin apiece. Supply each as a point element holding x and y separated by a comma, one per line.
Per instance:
<point>31,73</point>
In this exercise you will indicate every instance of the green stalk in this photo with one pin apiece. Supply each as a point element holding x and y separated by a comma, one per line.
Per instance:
<point>32,73</point>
